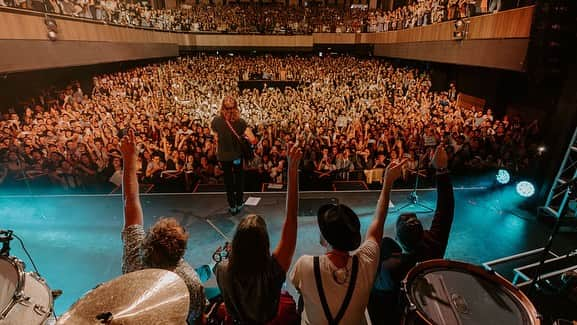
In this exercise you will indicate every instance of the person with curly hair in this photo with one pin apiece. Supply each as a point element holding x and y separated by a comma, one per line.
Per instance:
<point>163,246</point>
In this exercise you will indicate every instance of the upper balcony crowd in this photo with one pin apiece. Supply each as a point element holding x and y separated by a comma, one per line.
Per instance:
<point>264,18</point>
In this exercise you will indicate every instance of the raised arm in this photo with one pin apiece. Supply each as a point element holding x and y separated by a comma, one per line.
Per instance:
<point>130,191</point>
<point>285,249</point>
<point>443,219</point>
<point>392,173</point>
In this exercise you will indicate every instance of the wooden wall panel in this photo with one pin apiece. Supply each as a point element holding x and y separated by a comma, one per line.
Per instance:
<point>26,55</point>
<point>508,54</point>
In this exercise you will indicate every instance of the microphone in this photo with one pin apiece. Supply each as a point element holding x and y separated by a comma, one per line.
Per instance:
<point>6,232</point>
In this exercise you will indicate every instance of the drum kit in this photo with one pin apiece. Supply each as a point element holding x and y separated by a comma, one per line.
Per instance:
<point>150,296</point>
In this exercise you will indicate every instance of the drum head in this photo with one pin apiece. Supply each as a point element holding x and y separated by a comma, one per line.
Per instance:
<point>9,279</point>
<point>453,294</point>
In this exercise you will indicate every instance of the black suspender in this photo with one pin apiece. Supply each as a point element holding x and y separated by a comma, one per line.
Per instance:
<point>348,296</point>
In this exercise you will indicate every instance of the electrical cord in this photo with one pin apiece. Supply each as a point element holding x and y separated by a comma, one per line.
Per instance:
<point>27,254</point>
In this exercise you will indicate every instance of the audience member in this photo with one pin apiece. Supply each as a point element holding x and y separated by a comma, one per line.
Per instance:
<point>417,245</point>
<point>164,245</point>
<point>335,287</point>
<point>252,278</point>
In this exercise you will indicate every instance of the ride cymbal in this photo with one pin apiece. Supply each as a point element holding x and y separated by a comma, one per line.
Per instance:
<point>150,296</point>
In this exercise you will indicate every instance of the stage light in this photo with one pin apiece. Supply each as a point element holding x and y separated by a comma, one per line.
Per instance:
<point>461,29</point>
<point>52,35</point>
<point>525,189</point>
<point>52,28</point>
<point>503,177</point>
<point>541,149</point>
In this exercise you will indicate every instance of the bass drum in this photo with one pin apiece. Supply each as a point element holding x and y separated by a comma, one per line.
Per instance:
<point>440,292</point>
<point>25,299</point>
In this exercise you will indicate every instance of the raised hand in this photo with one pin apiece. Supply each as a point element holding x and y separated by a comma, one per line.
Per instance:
<point>440,158</point>
<point>294,157</point>
<point>394,171</point>
<point>128,146</point>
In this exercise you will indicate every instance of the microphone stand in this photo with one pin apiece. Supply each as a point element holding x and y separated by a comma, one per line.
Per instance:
<point>413,198</point>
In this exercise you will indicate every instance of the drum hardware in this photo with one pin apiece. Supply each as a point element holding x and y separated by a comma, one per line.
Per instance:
<point>5,239</point>
<point>460,304</point>
<point>56,293</point>
<point>40,310</point>
<point>25,298</point>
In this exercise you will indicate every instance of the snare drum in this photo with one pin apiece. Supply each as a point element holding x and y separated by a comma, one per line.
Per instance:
<point>25,299</point>
<point>456,293</point>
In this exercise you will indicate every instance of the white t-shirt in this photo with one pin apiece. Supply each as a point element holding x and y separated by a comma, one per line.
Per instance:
<point>303,278</point>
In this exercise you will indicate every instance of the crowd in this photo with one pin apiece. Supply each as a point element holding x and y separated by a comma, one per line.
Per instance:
<point>252,18</point>
<point>349,115</point>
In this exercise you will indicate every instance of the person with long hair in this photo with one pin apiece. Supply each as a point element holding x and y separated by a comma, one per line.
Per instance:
<point>252,278</point>
<point>229,127</point>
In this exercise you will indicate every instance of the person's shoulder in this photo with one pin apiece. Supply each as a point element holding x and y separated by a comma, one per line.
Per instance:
<point>217,119</point>
<point>303,261</point>
<point>369,250</point>
<point>133,230</point>
<point>187,273</point>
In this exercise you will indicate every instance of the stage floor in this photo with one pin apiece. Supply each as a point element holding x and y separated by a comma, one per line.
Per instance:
<point>75,239</point>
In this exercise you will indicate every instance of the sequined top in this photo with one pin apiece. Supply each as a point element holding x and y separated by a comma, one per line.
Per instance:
<point>132,238</point>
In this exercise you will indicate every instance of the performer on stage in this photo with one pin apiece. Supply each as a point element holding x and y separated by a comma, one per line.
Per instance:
<point>229,128</point>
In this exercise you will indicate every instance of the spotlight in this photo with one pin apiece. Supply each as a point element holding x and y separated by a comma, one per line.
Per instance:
<point>525,189</point>
<point>541,149</point>
<point>52,28</point>
<point>52,35</point>
<point>461,29</point>
<point>459,24</point>
<point>503,177</point>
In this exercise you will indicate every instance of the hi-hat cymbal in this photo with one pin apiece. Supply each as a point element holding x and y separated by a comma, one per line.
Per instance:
<point>150,296</point>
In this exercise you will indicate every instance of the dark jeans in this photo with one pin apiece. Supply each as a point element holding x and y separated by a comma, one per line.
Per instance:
<point>233,182</point>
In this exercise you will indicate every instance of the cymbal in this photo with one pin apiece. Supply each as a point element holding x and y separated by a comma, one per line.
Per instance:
<point>150,296</point>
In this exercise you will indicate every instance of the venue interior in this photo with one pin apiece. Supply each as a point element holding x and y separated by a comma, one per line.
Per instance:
<point>120,149</point>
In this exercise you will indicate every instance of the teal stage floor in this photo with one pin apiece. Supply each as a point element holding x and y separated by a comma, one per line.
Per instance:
<point>75,240</point>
